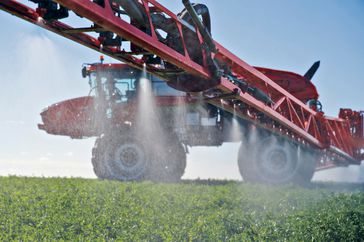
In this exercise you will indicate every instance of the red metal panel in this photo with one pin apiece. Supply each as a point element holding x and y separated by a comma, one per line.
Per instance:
<point>246,98</point>
<point>105,17</point>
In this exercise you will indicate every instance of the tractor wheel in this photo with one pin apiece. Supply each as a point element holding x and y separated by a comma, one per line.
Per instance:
<point>97,162</point>
<point>121,157</point>
<point>169,162</point>
<point>273,160</point>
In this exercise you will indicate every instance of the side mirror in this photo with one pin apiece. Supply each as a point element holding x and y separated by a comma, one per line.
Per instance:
<point>84,72</point>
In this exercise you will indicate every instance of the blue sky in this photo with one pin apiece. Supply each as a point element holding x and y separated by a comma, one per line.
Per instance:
<point>39,68</point>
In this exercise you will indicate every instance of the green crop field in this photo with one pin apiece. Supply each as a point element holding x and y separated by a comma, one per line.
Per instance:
<point>80,209</point>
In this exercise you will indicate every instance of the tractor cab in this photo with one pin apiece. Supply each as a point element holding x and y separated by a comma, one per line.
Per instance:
<point>120,83</point>
<point>117,84</point>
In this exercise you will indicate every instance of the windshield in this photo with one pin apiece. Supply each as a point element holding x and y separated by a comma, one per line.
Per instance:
<point>117,85</point>
<point>120,85</point>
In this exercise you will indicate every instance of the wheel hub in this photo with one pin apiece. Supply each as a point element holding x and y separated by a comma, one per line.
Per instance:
<point>276,160</point>
<point>129,161</point>
<point>129,157</point>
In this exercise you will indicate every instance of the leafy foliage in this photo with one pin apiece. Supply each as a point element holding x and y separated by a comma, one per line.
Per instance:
<point>78,209</point>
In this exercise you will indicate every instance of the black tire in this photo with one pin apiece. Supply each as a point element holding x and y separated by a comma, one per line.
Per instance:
<point>97,162</point>
<point>169,161</point>
<point>121,156</point>
<point>274,160</point>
